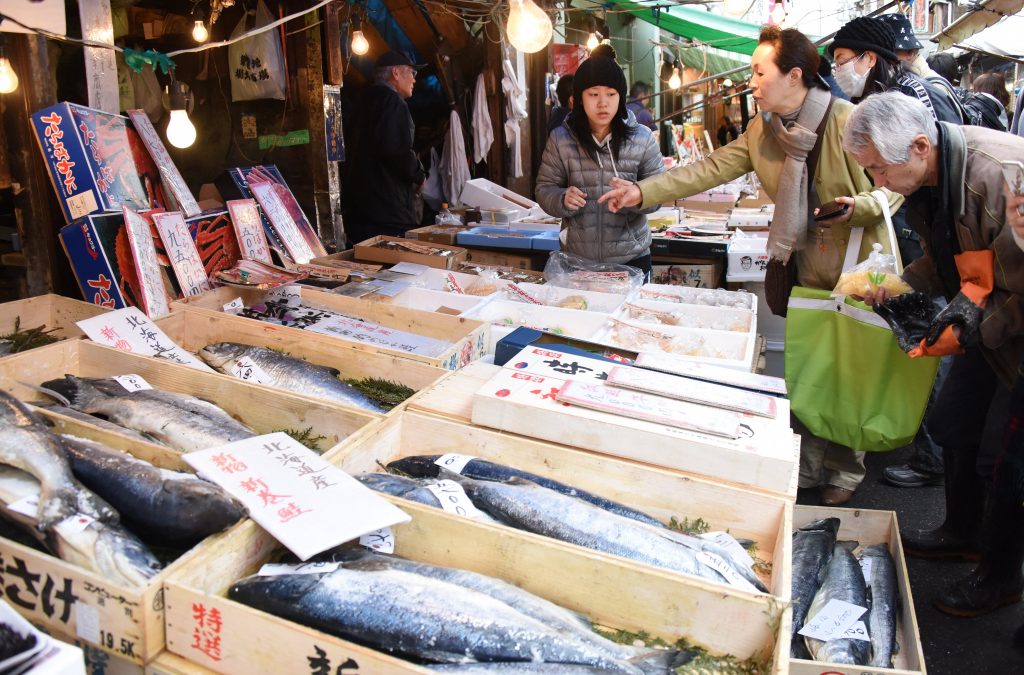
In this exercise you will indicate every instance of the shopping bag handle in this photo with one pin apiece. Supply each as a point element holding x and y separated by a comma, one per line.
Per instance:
<point>894,246</point>
<point>853,247</point>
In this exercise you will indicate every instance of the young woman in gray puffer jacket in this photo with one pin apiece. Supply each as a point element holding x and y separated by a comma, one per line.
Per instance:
<point>600,140</point>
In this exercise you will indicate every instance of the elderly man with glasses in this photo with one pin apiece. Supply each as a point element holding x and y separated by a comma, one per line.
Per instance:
<point>952,177</point>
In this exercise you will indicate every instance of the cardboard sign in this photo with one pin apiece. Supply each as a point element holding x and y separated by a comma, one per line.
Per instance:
<point>305,502</point>
<point>295,244</point>
<point>171,176</point>
<point>375,334</point>
<point>694,391</point>
<point>130,330</point>
<point>147,267</point>
<point>182,252</point>
<point>249,229</point>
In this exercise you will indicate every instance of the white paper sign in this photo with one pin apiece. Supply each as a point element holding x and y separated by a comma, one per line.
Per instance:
<point>382,540</point>
<point>151,282</point>
<point>454,462</point>
<point>235,306</point>
<point>832,621</point>
<point>87,622</point>
<point>298,248</point>
<point>723,567</point>
<point>694,391</point>
<point>562,365</point>
<point>290,294</point>
<point>131,382</point>
<point>130,330</point>
<point>82,204</point>
<point>158,151</point>
<point>453,498</point>
<point>26,506</point>
<point>252,240</point>
<point>370,333</point>
<point>73,525</point>
<point>857,631</point>
<point>304,501</point>
<point>182,252</point>
<point>244,368</point>
<point>669,363</point>
<point>415,269</point>
<point>729,543</point>
<point>271,570</point>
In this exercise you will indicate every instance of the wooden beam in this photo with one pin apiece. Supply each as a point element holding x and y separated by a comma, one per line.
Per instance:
<point>315,116</point>
<point>495,106</point>
<point>409,15</point>
<point>332,41</point>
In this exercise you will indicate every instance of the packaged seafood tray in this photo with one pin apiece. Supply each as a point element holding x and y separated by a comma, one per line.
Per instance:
<point>41,320</point>
<point>631,599</point>
<point>506,315</point>
<point>195,331</point>
<point>675,450</point>
<point>570,298</point>
<point>709,297</point>
<point>660,494</point>
<point>458,283</point>
<point>262,409</point>
<point>716,347</point>
<point>867,528</point>
<point>659,312</point>
<point>467,339</point>
<point>429,300</point>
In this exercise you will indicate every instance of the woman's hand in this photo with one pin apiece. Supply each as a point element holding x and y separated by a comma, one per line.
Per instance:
<point>1015,212</point>
<point>574,198</point>
<point>849,201</point>
<point>623,193</point>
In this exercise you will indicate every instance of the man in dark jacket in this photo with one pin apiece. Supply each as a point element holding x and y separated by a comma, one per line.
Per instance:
<point>639,94</point>
<point>956,201</point>
<point>383,172</point>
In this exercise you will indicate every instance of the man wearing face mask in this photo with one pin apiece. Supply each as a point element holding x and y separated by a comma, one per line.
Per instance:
<point>865,57</point>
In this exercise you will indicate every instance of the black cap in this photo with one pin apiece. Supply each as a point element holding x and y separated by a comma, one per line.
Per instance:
<point>900,25</point>
<point>866,34</point>
<point>397,59</point>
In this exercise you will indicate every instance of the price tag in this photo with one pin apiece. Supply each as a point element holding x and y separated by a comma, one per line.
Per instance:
<point>26,506</point>
<point>75,524</point>
<point>722,566</point>
<point>87,622</point>
<point>452,285</point>
<point>857,631</point>
<point>865,567</point>
<point>130,330</point>
<point>294,493</point>
<point>382,540</point>
<point>302,568</point>
<point>453,498</point>
<point>729,543</point>
<point>454,462</point>
<point>244,368</point>
<point>235,306</point>
<point>132,382</point>
<point>832,621</point>
<point>517,290</point>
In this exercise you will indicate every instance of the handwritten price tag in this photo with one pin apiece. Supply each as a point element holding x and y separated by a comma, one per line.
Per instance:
<point>246,369</point>
<point>453,498</point>
<point>454,462</point>
<point>720,565</point>
<point>858,632</point>
<point>303,568</point>
<point>235,306</point>
<point>132,382</point>
<point>130,330</point>
<point>729,543</point>
<point>832,621</point>
<point>381,541</point>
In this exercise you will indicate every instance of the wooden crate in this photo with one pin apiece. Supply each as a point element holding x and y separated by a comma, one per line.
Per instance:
<point>263,409</point>
<point>193,330</point>
<point>452,398</point>
<point>468,338</point>
<point>868,527</point>
<point>659,493</point>
<point>167,663</point>
<point>51,311</point>
<point>609,592</point>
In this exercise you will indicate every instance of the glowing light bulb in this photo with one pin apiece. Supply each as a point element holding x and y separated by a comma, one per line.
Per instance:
<point>180,132</point>
<point>529,28</point>
<point>778,13</point>
<point>8,78</point>
<point>360,45</point>
<point>593,42</point>
<point>736,8</point>
<point>727,82</point>
<point>675,81</point>
<point>199,32</point>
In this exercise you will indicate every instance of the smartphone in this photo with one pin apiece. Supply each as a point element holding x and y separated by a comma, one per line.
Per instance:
<point>830,210</point>
<point>1013,173</point>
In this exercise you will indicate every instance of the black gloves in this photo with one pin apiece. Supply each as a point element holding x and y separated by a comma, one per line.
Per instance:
<point>910,316</point>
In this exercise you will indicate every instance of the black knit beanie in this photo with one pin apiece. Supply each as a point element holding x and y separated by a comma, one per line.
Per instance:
<point>866,33</point>
<point>599,71</point>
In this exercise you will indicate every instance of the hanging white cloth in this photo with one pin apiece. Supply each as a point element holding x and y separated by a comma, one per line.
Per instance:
<point>454,165</point>
<point>515,112</point>
<point>483,132</point>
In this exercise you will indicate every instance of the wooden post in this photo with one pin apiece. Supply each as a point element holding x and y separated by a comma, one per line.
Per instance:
<point>333,37</point>
<point>496,107</point>
<point>325,204</point>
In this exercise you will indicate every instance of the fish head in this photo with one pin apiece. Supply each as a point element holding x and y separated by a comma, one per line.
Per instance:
<point>218,354</point>
<point>268,592</point>
<point>124,559</point>
<point>13,411</point>
<point>207,503</point>
<point>84,393</point>
<point>418,466</point>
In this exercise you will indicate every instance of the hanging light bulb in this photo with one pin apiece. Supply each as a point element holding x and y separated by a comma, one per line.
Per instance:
<point>593,41</point>
<point>8,78</point>
<point>180,132</point>
<point>736,8</point>
<point>778,13</point>
<point>199,32</point>
<point>360,45</point>
<point>727,82</point>
<point>675,81</point>
<point>529,28</point>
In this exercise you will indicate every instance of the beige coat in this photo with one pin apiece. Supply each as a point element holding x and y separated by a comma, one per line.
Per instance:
<point>837,175</point>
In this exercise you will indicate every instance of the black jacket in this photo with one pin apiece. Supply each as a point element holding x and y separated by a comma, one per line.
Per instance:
<point>382,172</point>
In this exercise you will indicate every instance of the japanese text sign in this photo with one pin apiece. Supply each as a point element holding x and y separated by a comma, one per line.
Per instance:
<point>147,267</point>
<point>298,248</point>
<point>252,240</point>
<point>182,252</point>
<point>130,330</point>
<point>171,176</point>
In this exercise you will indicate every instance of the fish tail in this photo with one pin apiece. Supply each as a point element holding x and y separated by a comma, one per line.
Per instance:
<point>664,660</point>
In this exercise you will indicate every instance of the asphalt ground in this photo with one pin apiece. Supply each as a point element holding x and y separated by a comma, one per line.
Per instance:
<point>952,645</point>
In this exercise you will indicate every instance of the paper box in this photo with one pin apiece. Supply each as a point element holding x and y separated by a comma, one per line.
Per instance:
<point>436,234</point>
<point>697,275</point>
<point>96,161</point>
<point>369,250</point>
<point>748,259</point>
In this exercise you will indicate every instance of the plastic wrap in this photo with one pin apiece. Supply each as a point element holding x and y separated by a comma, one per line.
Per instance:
<point>864,278</point>
<point>572,271</point>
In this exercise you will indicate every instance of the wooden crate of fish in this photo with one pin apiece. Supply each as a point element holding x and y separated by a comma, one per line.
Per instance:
<point>34,322</point>
<point>215,618</point>
<point>844,546</point>
<point>230,409</point>
<point>81,519</point>
<point>240,347</point>
<point>435,339</point>
<point>167,663</point>
<point>453,397</point>
<point>600,490</point>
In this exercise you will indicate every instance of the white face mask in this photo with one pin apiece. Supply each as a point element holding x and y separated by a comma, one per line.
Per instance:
<point>849,80</point>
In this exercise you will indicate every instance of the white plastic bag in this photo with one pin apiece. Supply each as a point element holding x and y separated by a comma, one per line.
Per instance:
<point>433,192</point>
<point>256,63</point>
<point>572,271</point>
<point>878,271</point>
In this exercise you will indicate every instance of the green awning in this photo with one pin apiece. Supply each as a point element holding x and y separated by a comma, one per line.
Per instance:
<point>712,61</point>
<point>714,30</point>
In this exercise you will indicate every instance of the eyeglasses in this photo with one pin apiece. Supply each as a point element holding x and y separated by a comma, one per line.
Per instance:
<point>837,65</point>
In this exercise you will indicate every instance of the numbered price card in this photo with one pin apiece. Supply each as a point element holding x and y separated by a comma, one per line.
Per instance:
<point>305,502</point>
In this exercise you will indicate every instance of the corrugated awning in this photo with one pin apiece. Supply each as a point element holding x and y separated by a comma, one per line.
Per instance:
<point>976,21</point>
<point>1001,39</point>
<point>714,30</point>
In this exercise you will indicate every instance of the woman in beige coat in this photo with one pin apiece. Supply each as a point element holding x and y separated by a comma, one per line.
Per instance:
<point>797,109</point>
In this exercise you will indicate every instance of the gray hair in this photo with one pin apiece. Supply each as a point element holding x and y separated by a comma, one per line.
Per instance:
<point>889,121</point>
<point>383,74</point>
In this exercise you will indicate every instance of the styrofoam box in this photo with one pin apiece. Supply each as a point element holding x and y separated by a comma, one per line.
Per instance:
<point>551,295</point>
<point>748,259</point>
<point>430,300</point>
<point>482,193</point>
<point>716,347</point>
<point>536,224</point>
<point>692,316</point>
<point>436,280</point>
<point>506,315</point>
<point>696,296</point>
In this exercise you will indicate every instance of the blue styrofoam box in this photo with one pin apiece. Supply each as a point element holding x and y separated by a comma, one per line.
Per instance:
<point>547,241</point>
<point>497,237</point>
